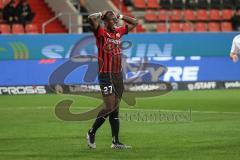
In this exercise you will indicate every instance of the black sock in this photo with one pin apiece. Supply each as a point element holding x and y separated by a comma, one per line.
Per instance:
<point>98,123</point>
<point>114,122</point>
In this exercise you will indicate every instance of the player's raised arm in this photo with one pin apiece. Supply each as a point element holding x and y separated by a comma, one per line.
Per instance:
<point>94,19</point>
<point>235,49</point>
<point>132,22</point>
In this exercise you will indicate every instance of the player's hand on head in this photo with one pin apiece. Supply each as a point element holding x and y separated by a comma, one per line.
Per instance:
<point>103,13</point>
<point>234,57</point>
<point>118,15</point>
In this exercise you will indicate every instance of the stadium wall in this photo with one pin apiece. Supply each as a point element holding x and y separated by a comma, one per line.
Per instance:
<point>138,45</point>
<point>28,63</point>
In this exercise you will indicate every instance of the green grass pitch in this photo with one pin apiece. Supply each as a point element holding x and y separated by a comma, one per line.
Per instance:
<point>29,129</point>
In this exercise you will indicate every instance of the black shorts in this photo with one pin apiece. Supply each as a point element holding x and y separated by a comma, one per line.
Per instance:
<point>111,83</point>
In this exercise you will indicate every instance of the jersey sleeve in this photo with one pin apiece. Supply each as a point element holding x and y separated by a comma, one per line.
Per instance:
<point>234,48</point>
<point>99,32</point>
<point>123,30</point>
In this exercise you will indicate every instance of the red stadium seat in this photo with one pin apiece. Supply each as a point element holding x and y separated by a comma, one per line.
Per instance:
<point>162,15</point>
<point>140,4</point>
<point>1,4</point>
<point>202,15</point>
<point>200,27</point>
<point>213,27</point>
<point>175,27</point>
<point>161,27</point>
<point>227,14</point>
<point>32,29</point>
<point>139,28</point>
<point>214,15</point>
<point>5,29</point>
<point>176,15</point>
<point>189,15</point>
<point>187,27</point>
<point>17,29</point>
<point>226,27</point>
<point>153,4</point>
<point>151,15</point>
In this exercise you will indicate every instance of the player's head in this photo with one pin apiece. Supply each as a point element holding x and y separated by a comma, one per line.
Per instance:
<point>110,20</point>
<point>12,2</point>
<point>237,11</point>
<point>24,2</point>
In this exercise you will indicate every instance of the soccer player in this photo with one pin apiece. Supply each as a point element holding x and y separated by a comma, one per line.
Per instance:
<point>108,40</point>
<point>235,48</point>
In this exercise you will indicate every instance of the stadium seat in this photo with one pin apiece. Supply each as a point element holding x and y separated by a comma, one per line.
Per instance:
<point>214,15</point>
<point>226,27</point>
<point>1,4</point>
<point>17,29</point>
<point>187,27</point>
<point>202,4</point>
<point>176,15</point>
<point>5,29</point>
<point>202,15</point>
<point>175,27</point>
<point>200,27</point>
<point>213,27</point>
<point>31,29</point>
<point>215,4</point>
<point>161,27</point>
<point>227,4</point>
<point>139,4</point>
<point>151,16</point>
<point>190,4</point>
<point>189,15</point>
<point>139,28</point>
<point>227,14</point>
<point>177,4</point>
<point>165,4</point>
<point>153,4</point>
<point>162,15</point>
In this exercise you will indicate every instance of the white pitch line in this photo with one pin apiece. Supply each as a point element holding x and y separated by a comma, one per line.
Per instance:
<point>123,109</point>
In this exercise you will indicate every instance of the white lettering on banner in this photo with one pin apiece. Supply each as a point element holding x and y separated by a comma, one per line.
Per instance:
<point>232,84</point>
<point>155,73</point>
<point>148,87</point>
<point>155,51</point>
<point>173,72</point>
<point>81,88</point>
<point>142,50</point>
<point>53,51</point>
<point>189,73</point>
<point>23,90</point>
<point>202,85</point>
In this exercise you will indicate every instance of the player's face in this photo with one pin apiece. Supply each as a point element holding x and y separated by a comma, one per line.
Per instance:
<point>110,22</point>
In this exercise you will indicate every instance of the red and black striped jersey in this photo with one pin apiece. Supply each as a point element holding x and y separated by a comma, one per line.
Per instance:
<point>109,49</point>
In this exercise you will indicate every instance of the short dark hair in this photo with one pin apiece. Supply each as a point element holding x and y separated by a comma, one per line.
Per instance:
<point>108,14</point>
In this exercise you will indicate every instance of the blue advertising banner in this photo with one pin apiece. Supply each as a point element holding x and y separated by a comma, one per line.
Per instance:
<point>134,45</point>
<point>169,69</point>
